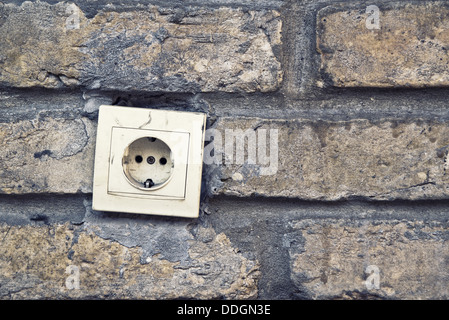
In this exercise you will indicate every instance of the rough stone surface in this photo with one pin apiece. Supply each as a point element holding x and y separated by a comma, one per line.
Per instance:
<point>411,259</point>
<point>37,262</point>
<point>408,50</point>
<point>47,155</point>
<point>189,49</point>
<point>332,160</point>
<point>316,160</point>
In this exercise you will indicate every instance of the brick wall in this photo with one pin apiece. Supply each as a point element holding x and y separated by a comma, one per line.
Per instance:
<point>345,103</point>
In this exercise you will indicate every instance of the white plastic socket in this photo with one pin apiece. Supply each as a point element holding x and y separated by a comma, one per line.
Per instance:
<point>148,161</point>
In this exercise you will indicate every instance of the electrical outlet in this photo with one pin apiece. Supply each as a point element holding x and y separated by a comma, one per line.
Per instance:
<point>148,161</point>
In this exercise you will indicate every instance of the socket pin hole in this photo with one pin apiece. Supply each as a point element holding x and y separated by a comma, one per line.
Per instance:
<point>152,139</point>
<point>138,159</point>
<point>163,161</point>
<point>151,160</point>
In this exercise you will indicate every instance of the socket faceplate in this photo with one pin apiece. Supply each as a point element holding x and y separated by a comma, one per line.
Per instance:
<point>148,161</point>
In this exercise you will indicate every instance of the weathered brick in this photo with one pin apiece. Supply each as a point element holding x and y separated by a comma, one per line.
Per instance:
<point>147,48</point>
<point>314,160</point>
<point>408,50</point>
<point>326,160</point>
<point>47,155</point>
<point>39,262</point>
<point>408,258</point>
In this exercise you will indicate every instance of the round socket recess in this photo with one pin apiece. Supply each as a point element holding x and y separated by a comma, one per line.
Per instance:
<point>148,163</point>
